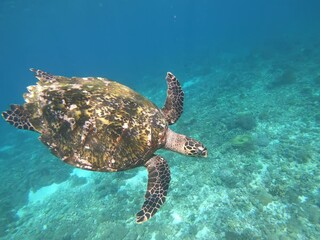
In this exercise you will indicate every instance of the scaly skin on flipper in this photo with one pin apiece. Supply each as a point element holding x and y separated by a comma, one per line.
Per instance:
<point>18,117</point>
<point>158,184</point>
<point>173,107</point>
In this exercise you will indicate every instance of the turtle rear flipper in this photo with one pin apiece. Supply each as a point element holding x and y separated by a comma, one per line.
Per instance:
<point>173,106</point>
<point>18,117</point>
<point>158,184</point>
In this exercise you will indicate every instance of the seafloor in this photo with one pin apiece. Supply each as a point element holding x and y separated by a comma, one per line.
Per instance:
<point>257,112</point>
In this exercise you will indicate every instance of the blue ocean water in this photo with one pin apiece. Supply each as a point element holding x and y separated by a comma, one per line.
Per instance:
<point>250,71</point>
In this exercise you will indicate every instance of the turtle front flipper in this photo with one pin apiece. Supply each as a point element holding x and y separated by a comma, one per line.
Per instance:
<point>18,117</point>
<point>173,106</point>
<point>158,184</point>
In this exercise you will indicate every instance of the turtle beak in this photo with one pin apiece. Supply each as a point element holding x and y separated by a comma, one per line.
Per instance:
<point>202,151</point>
<point>205,153</point>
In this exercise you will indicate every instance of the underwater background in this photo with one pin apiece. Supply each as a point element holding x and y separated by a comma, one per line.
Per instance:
<point>250,71</point>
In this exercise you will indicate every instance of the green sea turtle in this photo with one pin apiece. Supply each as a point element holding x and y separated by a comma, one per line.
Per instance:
<point>101,125</point>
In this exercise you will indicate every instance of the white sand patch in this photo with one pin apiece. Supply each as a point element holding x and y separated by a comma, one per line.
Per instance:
<point>41,194</point>
<point>81,173</point>
<point>176,218</point>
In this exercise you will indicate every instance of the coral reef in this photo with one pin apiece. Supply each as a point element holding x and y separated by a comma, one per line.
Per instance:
<point>260,180</point>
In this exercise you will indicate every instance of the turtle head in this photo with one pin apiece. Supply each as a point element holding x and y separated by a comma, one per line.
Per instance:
<point>194,148</point>
<point>184,145</point>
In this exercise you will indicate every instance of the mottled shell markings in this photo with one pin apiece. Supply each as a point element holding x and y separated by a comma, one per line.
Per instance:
<point>96,123</point>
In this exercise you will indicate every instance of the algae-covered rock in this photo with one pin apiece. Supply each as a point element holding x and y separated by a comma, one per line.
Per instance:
<point>264,197</point>
<point>313,214</point>
<point>278,190</point>
<point>242,142</point>
<point>77,181</point>
<point>303,155</point>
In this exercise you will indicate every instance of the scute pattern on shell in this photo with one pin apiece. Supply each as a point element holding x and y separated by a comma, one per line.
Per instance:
<point>95,123</point>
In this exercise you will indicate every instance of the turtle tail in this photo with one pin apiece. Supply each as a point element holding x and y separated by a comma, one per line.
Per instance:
<point>18,117</point>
